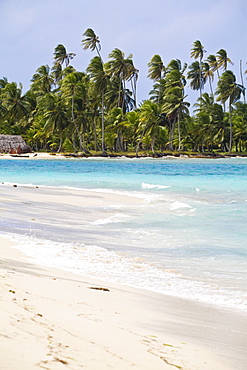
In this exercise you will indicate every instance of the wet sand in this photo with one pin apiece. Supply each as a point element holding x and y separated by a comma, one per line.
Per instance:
<point>51,318</point>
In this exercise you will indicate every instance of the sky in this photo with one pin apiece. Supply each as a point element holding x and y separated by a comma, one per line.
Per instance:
<point>31,29</point>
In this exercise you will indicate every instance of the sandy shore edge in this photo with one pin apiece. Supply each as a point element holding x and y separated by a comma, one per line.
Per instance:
<point>46,155</point>
<point>53,319</point>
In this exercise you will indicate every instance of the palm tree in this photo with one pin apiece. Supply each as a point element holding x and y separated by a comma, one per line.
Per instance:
<point>100,80</point>
<point>72,87</point>
<point>115,127</point>
<point>213,63</point>
<point>222,59</point>
<point>175,74</point>
<point>175,108</point>
<point>120,68</point>
<point>176,64</point>
<point>133,77</point>
<point>91,41</point>
<point>240,125</point>
<point>195,75</point>
<point>55,116</point>
<point>242,79</point>
<point>198,51</point>
<point>14,102</point>
<point>56,73</point>
<point>228,89</point>
<point>156,71</point>
<point>61,56</point>
<point>3,82</point>
<point>42,80</point>
<point>210,117</point>
<point>207,74</point>
<point>149,122</point>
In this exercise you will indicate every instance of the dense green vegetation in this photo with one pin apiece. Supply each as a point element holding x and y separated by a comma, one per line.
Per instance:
<point>96,110</point>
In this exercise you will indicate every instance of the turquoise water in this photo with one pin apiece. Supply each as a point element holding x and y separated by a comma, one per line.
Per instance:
<point>188,238</point>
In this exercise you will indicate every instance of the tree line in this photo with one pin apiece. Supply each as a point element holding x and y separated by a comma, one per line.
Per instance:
<point>96,110</point>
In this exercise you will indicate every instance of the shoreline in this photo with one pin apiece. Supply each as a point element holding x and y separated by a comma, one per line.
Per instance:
<point>70,324</point>
<point>46,155</point>
<point>31,200</point>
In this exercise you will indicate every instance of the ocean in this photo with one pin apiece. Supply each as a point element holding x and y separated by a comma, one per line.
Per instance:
<point>186,237</point>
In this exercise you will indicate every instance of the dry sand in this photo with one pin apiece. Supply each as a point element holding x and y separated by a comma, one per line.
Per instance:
<point>51,319</point>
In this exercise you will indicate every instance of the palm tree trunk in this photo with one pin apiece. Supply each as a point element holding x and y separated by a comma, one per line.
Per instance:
<point>230,117</point>
<point>103,126</point>
<point>179,133</point>
<point>123,102</point>
<point>76,128</point>
<point>242,80</point>
<point>210,84</point>
<point>95,134</point>
<point>60,142</point>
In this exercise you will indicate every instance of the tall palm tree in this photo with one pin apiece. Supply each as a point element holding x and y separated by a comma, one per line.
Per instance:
<point>72,87</point>
<point>156,71</point>
<point>222,59</point>
<point>100,80</point>
<point>61,56</point>
<point>198,51</point>
<point>228,89</point>
<point>120,68</point>
<point>91,41</point>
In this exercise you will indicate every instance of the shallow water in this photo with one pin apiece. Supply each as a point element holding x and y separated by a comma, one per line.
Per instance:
<point>186,238</point>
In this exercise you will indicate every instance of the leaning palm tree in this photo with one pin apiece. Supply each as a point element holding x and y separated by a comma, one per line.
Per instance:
<point>223,59</point>
<point>100,80</point>
<point>228,89</point>
<point>198,51</point>
<point>61,56</point>
<point>91,41</point>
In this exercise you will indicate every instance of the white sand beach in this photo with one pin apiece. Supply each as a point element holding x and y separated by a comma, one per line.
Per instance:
<point>52,319</point>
